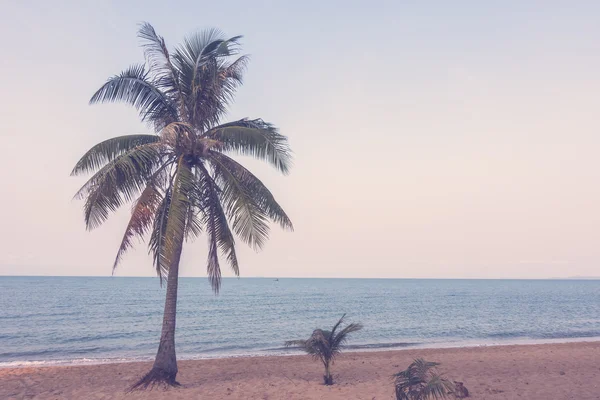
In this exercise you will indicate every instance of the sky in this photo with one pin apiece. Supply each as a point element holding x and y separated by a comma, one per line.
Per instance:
<point>432,139</point>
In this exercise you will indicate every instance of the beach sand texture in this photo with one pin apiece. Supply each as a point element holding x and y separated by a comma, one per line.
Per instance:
<point>548,372</point>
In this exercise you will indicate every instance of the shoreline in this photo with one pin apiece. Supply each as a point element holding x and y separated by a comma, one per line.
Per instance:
<point>384,348</point>
<point>543,371</point>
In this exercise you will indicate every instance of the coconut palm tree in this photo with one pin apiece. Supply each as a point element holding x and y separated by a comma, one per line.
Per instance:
<point>421,381</point>
<point>182,179</point>
<point>326,345</point>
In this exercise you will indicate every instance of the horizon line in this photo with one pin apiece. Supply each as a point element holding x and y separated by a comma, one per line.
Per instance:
<point>308,277</point>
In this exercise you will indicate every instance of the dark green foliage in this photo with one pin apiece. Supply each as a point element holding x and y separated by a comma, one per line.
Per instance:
<point>181,177</point>
<point>326,345</point>
<point>421,381</point>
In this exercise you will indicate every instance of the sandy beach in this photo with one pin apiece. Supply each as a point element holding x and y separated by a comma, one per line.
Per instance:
<point>546,371</point>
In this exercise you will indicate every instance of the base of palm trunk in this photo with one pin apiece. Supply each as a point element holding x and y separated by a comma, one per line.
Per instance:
<point>328,380</point>
<point>156,377</point>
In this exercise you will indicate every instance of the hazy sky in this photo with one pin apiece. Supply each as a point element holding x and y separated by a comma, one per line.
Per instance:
<point>432,138</point>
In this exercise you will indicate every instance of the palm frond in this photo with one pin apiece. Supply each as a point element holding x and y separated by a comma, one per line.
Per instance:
<point>158,236</point>
<point>164,75</point>
<point>257,139</point>
<point>193,227</point>
<point>196,45</point>
<point>249,220</point>
<point>217,228</point>
<point>177,214</point>
<point>234,71</point>
<point>156,53</point>
<point>323,344</point>
<point>423,368</point>
<point>213,90</point>
<point>108,150</point>
<point>316,345</point>
<point>437,387</point>
<point>133,87</point>
<point>342,336</point>
<point>231,174</point>
<point>319,346</point>
<point>207,80</point>
<point>205,50</point>
<point>187,56</point>
<point>337,325</point>
<point>142,216</point>
<point>213,268</point>
<point>170,220</point>
<point>216,88</point>
<point>336,339</point>
<point>119,181</point>
<point>420,381</point>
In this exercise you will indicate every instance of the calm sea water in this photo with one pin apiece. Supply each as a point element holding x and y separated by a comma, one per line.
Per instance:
<point>78,320</point>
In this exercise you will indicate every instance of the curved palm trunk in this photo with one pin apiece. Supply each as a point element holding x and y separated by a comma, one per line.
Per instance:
<point>164,369</point>
<point>166,360</point>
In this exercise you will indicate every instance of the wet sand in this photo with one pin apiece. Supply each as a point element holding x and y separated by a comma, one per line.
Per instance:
<point>545,372</point>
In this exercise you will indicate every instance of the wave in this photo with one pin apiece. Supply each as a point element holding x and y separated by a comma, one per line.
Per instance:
<point>383,345</point>
<point>359,346</point>
<point>38,353</point>
<point>569,335</point>
<point>91,338</point>
<point>544,335</point>
<point>284,351</point>
<point>509,335</point>
<point>74,361</point>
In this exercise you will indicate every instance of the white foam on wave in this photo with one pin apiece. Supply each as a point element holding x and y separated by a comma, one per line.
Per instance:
<point>292,352</point>
<point>72,362</point>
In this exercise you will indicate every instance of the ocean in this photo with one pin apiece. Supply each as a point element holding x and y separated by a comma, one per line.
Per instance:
<point>78,320</point>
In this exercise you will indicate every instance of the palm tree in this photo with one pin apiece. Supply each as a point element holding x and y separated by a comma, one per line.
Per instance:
<point>421,381</point>
<point>181,179</point>
<point>326,345</point>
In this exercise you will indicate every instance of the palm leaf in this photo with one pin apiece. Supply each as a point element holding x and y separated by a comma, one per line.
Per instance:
<point>420,381</point>
<point>196,45</point>
<point>118,181</point>
<point>142,216</point>
<point>165,76</point>
<point>436,387</point>
<point>157,55</point>
<point>342,336</point>
<point>108,150</point>
<point>215,221</point>
<point>249,220</point>
<point>205,50</point>
<point>193,226</point>
<point>177,214</point>
<point>232,174</point>
<point>337,325</point>
<point>158,235</point>
<point>186,57</point>
<point>254,138</point>
<point>170,221</point>
<point>206,81</point>
<point>133,87</point>
<point>325,345</point>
